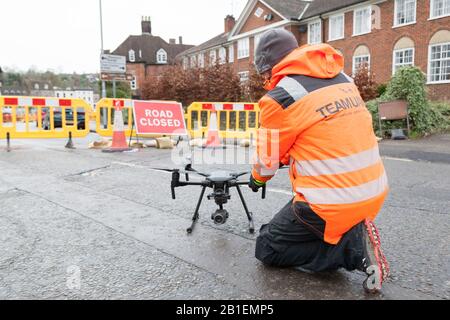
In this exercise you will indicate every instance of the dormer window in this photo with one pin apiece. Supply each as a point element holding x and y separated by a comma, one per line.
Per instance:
<point>132,56</point>
<point>161,56</point>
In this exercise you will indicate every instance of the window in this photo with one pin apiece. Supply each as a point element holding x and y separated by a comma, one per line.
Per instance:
<point>244,76</point>
<point>362,22</point>
<point>231,54</point>
<point>243,48</point>
<point>403,58</point>
<point>405,12</point>
<point>133,84</point>
<point>222,55</point>
<point>315,32</point>
<point>161,56</point>
<point>185,63</point>
<point>256,41</point>
<point>131,56</point>
<point>336,28</point>
<point>439,63</point>
<point>212,57</point>
<point>259,12</point>
<point>440,8</point>
<point>193,62</point>
<point>358,61</point>
<point>201,60</point>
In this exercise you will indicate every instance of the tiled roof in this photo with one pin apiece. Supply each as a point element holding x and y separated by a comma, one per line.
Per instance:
<point>214,42</point>
<point>318,7</point>
<point>149,45</point>
<point>290,9</point>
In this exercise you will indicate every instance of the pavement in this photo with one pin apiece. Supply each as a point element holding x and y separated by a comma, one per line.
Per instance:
<point>82,224</point>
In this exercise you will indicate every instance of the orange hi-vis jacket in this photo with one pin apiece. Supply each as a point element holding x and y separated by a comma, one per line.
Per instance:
<point>315,120</point>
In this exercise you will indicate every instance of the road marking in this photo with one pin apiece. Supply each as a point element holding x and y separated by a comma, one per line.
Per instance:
<point>398,159</point>
<point>136,166</point>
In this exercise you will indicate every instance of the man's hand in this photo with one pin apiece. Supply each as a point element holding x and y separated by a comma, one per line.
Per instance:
<point>255,185</point>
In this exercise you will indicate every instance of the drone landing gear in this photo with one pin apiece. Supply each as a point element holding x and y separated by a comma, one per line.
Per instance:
<point>196,214</point>
<point>251,225</point>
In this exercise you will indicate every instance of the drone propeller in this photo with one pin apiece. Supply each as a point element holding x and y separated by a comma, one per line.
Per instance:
<point>180,171</point>
<point>240,174</point>
<point>192,170</point>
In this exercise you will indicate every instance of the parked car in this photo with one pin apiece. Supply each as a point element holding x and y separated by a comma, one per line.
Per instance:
<point>43,113</point>
<point>57,119</point>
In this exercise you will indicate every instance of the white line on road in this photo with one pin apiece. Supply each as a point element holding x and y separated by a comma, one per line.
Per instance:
<point>398,159</point>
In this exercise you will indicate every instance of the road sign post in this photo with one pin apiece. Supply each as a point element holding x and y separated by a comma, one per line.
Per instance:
<point>113,64</point>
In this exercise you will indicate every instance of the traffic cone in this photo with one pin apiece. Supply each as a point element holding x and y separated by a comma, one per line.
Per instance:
<point>213,141</point>
<point>119,143</point>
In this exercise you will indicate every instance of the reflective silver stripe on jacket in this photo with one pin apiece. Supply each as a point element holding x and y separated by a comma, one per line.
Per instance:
<point>330,196</point>
<point>339,165</point>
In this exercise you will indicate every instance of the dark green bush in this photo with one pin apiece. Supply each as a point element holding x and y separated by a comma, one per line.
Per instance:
<point>381,89</point>
<point>409,83</point>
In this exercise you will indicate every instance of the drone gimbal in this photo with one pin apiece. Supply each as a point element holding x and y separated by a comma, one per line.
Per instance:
<point>221,182</point>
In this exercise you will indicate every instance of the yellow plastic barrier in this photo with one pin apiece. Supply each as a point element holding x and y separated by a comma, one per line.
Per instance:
<point>105,117</point>
<point>43,118</point>
<point>235,120</point>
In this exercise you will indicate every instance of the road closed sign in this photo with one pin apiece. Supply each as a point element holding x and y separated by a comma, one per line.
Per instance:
<point>157,117</point>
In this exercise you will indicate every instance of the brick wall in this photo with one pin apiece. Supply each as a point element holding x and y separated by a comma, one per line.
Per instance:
<point>145,73</point>
<point>253,22</point>
<point>381,43</point>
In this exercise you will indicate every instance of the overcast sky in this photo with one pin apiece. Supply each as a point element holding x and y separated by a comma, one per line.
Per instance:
<point>64,35</point>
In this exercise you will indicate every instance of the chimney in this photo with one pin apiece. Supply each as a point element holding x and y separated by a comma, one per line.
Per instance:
<point>172,41</point>
<point>180,40</point>
<point>146,25</point>
<point>229,23</point>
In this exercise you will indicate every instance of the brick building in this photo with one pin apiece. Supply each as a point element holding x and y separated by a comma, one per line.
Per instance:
<point>148,55</point>
<point>387,34</point>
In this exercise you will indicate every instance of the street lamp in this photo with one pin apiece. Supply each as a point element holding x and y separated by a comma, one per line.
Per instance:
<point>102,49</point>
<point>105,115</point>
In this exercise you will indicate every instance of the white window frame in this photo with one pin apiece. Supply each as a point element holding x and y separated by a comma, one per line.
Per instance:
<point>193,61</point>
<point>310,40</point>
<point>256,40</point>
<point>354,62</point>
<point>354,20</point>
<point>243,48</point>
<point>432,16</point>
<point>330,27</point>
<point>396,8</point>
<point>259,12</point>
<point>133,84</point>
<point>132,55</point>
<point>429,63</point>
<point>185,63</point>
<point>244,76</point>
<point>212,57</point>
<point>201,60</point>
<point>222,55</point>
<point>231,53</point>
<point>394,65</point>
<point>161,56</point>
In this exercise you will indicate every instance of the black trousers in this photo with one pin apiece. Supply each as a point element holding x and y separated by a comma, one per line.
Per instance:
<point>295,238</point>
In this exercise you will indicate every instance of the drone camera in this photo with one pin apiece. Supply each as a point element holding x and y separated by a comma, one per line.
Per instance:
<point>220,217</point>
